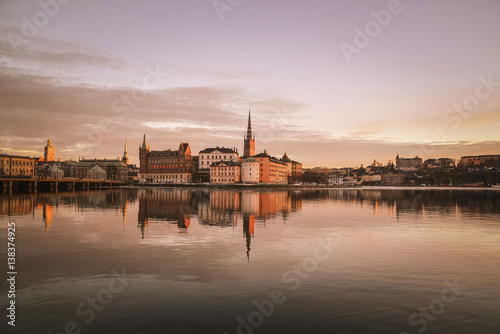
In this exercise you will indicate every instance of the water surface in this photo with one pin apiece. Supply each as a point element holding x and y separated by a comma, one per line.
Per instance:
<point>211,261</point>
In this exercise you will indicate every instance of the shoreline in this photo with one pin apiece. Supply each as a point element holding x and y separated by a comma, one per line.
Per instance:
<point>301,187</point>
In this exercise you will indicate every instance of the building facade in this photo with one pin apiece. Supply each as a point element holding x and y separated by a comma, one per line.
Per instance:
<point>17,166</point>
<point>439,163</point>
<point>250,170</point>
<point>209,156</point>
<point>409,164</point>
<point>392,179</point>
<point>114,169</point>
<point>478,160</point>
<point>169,166</point>
<point>272,170</point>
<point>225,172</point>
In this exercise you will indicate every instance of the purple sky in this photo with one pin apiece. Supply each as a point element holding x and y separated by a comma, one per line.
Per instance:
<point>93,73</point>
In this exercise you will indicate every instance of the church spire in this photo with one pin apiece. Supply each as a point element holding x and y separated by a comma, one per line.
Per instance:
<point>249,128</point>
<point>125,155</point>
<point>249,140</point>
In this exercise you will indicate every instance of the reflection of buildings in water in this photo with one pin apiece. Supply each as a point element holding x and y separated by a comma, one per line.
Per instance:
<point>221,208</point>
<point>17,205</point>
<point>270,203</point>
<point>248,230</point>
<point>47,215</point>
<point>170,205</point>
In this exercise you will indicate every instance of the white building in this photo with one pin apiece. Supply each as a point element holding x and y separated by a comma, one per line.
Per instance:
<point>250,170</point>
<point>211,155</point>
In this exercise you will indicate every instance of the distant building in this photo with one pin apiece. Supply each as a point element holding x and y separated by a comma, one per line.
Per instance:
<point>392,179</point>
<point>169,166</point>
<point>96,173</point>
<point>272,170</point>
<point>15,165</point>
<point>439,163</point>
<point>288,162</point>
<point>479,160</point>
<point>249,141</point>
<point>114,169</point>
<point>296,169</point>
<point>48,151</point>
<point>133,173</point>
<point>225,172</point>
<point>250,169</point>
<point>55,172</point>
<point>409,164</point>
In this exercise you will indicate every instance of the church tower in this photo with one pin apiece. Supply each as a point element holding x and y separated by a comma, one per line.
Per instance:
<point>143,154</point>
<point>125,155</point>
<point>249,140</point>
<point>49,151</point>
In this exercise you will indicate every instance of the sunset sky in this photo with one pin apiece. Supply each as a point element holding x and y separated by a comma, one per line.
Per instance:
<point>424,80</point>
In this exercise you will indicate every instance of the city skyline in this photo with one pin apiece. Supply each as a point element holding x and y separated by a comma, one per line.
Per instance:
<point>334,84</point>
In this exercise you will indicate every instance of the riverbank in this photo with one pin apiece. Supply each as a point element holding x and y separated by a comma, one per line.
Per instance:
<point>296,186</point>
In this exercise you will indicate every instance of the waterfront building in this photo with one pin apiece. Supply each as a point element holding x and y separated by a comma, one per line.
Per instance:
<point>296,169</point>
<point>225,172</point>
<point>211,155</point>
<point>409,164</point>
<point>55,172</point>
<point>16,165</point>
<point>288,162</point>
<point>249,140</point>
<point>250,170</point>
<point>392,179</point>
<point>96,173</point>
<point>169,166</point>
<point>478,160</point>
<point>272,170</point>
<point>114,169</point>
<point>439,163</point>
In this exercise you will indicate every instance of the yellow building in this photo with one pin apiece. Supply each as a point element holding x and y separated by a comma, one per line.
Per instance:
<point>14,165</point>
<point>225,172</point>
<point>49,151</point>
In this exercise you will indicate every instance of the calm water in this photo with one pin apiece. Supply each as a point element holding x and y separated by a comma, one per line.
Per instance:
<point>189,261</point>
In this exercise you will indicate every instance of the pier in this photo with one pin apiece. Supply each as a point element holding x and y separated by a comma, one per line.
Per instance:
<point>10,185</point>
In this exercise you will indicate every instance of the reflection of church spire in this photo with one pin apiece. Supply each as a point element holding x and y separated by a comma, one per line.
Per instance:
<point>248,231</point>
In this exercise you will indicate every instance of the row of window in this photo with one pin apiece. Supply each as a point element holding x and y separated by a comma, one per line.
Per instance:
<point>167,176</point>
<point>223,173</point>
<point>17,162</point>
<point>203,157</point>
